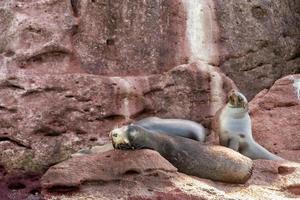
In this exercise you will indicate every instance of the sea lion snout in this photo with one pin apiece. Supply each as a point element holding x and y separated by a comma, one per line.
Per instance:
<point>237,99</point>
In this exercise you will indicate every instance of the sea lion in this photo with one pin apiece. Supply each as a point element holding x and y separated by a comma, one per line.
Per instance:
<point>233,125</point>
<point>296,85</point>
<point>178,127</point>
<point>188,156</point>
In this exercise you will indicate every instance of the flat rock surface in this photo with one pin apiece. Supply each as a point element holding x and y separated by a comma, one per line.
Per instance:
<point>104,167</point>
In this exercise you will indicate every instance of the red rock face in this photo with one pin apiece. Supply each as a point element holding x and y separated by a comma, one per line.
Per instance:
<point>54,54</point>
<point>130,37</point>
<point>19,185</point>
<point>43,41</point>
<point>259,42</point>
<point>98,37</point>
<point>70,71</point>
<point>276,119</point>
<point>38,37</point>
<point>50,117</point>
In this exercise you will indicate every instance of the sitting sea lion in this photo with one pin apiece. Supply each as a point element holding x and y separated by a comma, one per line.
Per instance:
<point>233,125</point>
<point>188,156</point>
<point>174,127</point>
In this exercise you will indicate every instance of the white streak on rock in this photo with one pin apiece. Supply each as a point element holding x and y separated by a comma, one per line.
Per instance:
<point>216,83</point>
<point>202,34</point>
<point>125,85</point>
<point>202,30</point>
<point>3,68</point>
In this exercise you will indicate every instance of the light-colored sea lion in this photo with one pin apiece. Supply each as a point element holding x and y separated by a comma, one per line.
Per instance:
<point>232,124</point>
<point>174,127</point>
<point>188,156</point>
<point>296,85</point>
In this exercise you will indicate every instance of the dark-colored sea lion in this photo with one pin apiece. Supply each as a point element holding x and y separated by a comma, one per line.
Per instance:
<point>178,127</point>
<point>233,125</point>
<point>189,156</point>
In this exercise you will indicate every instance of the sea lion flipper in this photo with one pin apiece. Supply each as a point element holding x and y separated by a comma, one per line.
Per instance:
<point>224,140</point>
<point>234,143</point>
<point>259,152</point>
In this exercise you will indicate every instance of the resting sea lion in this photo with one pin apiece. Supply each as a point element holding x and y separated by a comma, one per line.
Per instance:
<point>233,125</point>
<point>174,127</point>
<point>188,156</point>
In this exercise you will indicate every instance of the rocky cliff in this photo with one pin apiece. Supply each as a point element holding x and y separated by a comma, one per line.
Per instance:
<point>71,70</point>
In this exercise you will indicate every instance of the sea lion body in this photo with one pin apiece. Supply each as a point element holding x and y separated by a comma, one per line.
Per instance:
<point>174,127</point>
<point>233,125</point>
<point>188,156</point>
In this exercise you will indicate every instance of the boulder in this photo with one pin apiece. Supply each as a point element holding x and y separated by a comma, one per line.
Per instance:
<point>275,115</point>
<point>105,167</point>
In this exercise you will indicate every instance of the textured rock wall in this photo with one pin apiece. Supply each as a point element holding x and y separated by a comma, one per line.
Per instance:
<point>52,53</point>
<point>259,41</point>
<point>71,70</point>
<point>112,38</point>
<point>129,37</point>
<point>97,37</point>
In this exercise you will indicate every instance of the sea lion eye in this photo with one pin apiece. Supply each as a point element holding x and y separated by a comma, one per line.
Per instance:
<point>240,99</point>
<point>115,134</point>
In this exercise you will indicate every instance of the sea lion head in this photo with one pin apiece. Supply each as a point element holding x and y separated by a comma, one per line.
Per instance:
<point>128,137</point>
<point>237,100</point>
<point>119,138</point>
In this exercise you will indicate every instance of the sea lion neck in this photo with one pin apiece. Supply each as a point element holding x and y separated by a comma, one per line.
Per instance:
<point>235,112</point>
<point>137,134</point>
